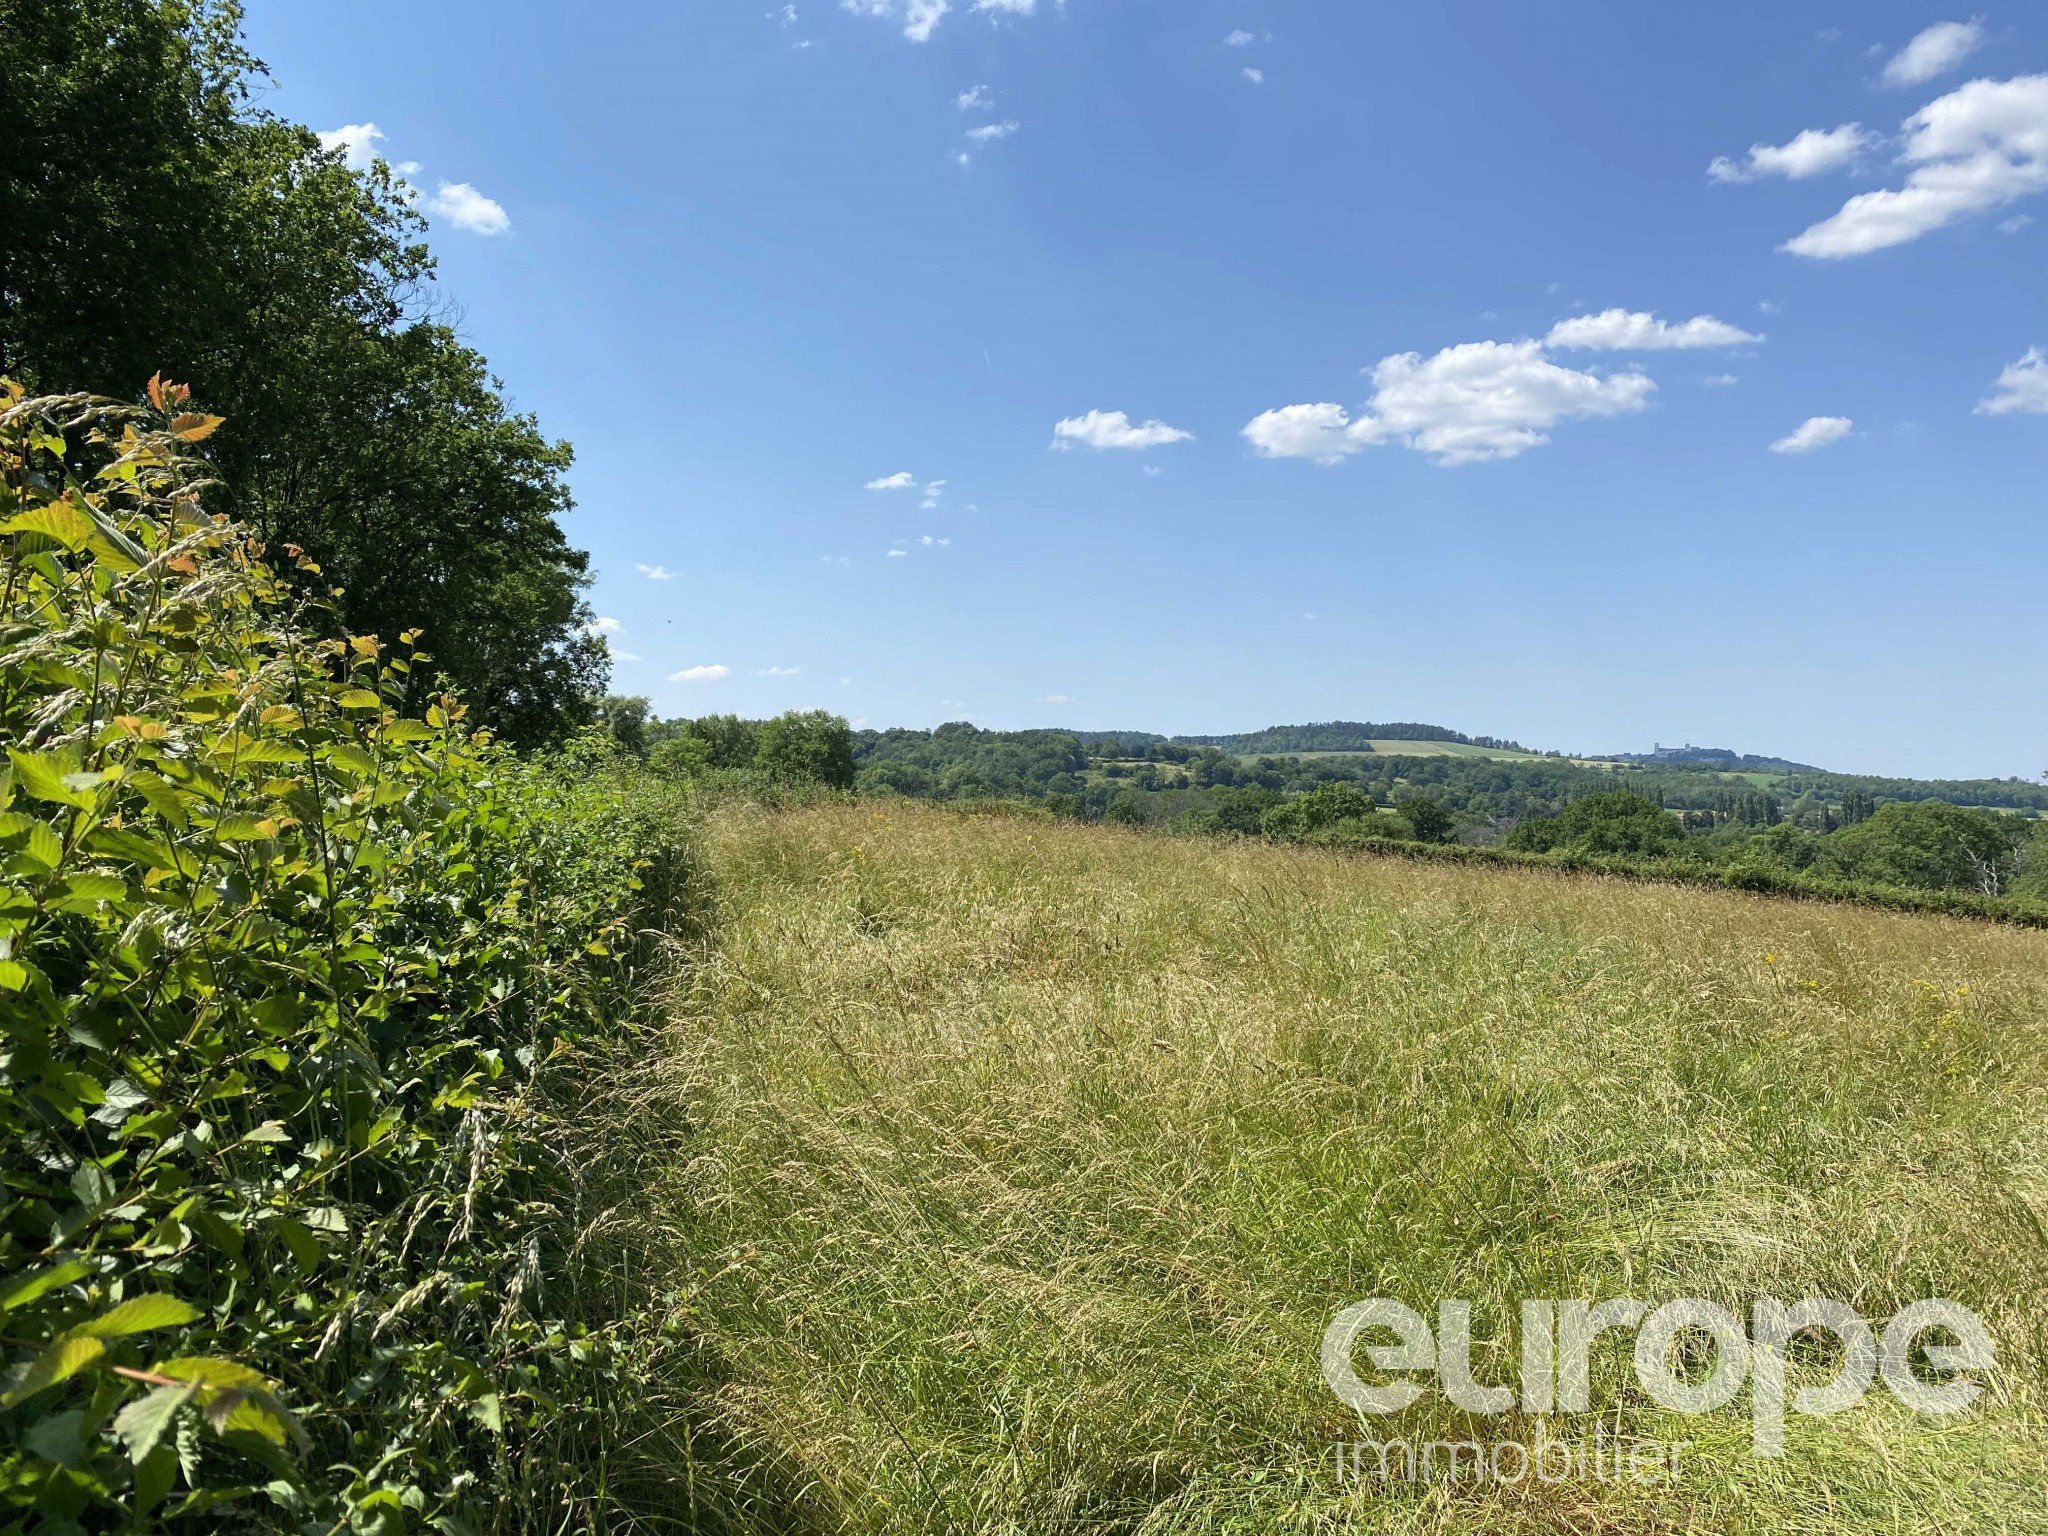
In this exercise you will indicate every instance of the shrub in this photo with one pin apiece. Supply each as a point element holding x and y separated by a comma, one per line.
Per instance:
<point>292,966</point>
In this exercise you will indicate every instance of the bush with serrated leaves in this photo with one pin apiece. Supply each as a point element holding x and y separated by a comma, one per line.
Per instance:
<point>296,974</point>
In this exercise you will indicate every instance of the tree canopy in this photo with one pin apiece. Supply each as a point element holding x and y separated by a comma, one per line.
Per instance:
<point>153,219</point>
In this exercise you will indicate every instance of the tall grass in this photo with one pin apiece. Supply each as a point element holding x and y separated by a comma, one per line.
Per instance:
<point>1005,1174</point>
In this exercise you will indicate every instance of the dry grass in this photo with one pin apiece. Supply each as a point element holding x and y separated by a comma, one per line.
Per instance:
<point>1022,1166</point>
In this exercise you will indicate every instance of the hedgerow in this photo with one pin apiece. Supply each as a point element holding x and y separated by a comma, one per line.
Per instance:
<point>297,972</point>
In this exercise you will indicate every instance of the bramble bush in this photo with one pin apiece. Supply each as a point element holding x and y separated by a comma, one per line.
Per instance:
<point>298,976</point>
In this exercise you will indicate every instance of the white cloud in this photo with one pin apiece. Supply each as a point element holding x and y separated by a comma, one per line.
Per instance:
<point>902,480</point>
<point>1481,400</point>
<point>466,208</point>
<point>1007,7</point>
<point>1256,76</point>
<point>1981,145</point>
<point>2022,387</point>
<point>1113,429</point>
<point>784,17</point>
<point>1239,39</point>
<point>834,560</point>
<point>928,541</point>
<point>1934,52</point>
<point>625,656</point>
<point>1052,698</point>
<point>974,99</point>
<point>356,141</point>
<point>1812,153</point>
<point>1153,471</point>
<point>1720,380</point>
<point>655,572</point>
<point>2015,224</point>
<point>918,16</point>
<point>705,674</point>
<point>963,158</point>
<point>988,132</point>
<point>601,627</point>
<point>934,487</point>
<point>780,671</point>
<point>1814,432</point>
<point>898,554</point>
<point>1621,330</point>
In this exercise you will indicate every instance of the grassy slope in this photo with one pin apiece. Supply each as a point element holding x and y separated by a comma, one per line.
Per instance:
<point>1027,1163</point>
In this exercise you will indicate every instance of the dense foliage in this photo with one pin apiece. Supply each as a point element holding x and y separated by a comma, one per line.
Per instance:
<point>153,217</point>
<point>295,971</point>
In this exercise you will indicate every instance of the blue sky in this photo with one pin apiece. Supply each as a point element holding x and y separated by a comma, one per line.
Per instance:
<point>1480,322</point>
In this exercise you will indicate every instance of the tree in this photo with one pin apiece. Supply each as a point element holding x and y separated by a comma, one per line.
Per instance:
<point>625,717</point>
<point>1931,845</point>
<point>810,745</point>
<point>1618,822</point>
<point>729,741</point>
<point>1429,820</point>
<point>151,219</point>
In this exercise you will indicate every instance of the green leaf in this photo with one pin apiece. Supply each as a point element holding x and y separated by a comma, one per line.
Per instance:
<point>143,1422</point>
<point>66,1356</point>
<point>23,1289</point>
<point>139,1314</point>
<point>39,841</point>
<point>205,1371</point>
<point>43,775</point>
<point>58,1437</point>
<point>120,843</point>
<point>358,698</point>
<point>57,521</point>
<point>409,730</point>
<point>85,890</point>
<point>160,797</point>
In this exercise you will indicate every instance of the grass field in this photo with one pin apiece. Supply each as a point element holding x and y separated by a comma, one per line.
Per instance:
<point>1009,1173</point>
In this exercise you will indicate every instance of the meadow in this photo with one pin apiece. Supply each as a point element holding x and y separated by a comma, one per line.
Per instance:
<point>1004,1174</point>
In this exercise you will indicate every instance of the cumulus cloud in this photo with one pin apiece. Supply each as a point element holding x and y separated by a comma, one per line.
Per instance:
<point>1007,7</point>
<point>2022,387</point>
<point>988,132</point>
<point>918,16</point>
<point>1238,39</point>
<point>902,480</point>
<point>1481,400</point>
<point>1980,146</point>
<point>928,541</point>
<point>899,554</point>
<point>625,656</point>
<point>780,671</point>
<point>974,99</point>
<point>1814,432</point>
<point>1113,429</point>
<point>1935,51</point>
<point>655,572</point>
<point>466,208</point>
<point>1720,380</point>
<point>1256,76</point>
<point>356,141</point>
<point>601,627</point>
<point>709,673</point>
<point>1812,153</point>
<point>1621,330</point>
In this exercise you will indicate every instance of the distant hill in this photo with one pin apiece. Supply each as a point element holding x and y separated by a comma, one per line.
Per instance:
<point>1339,736</point>
<point>1720,759</point>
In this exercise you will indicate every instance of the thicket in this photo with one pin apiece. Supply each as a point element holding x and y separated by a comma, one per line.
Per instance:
<point>298,975</point>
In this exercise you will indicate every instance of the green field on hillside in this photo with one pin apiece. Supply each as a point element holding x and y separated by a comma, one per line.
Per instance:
<point>1013,1170</point>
